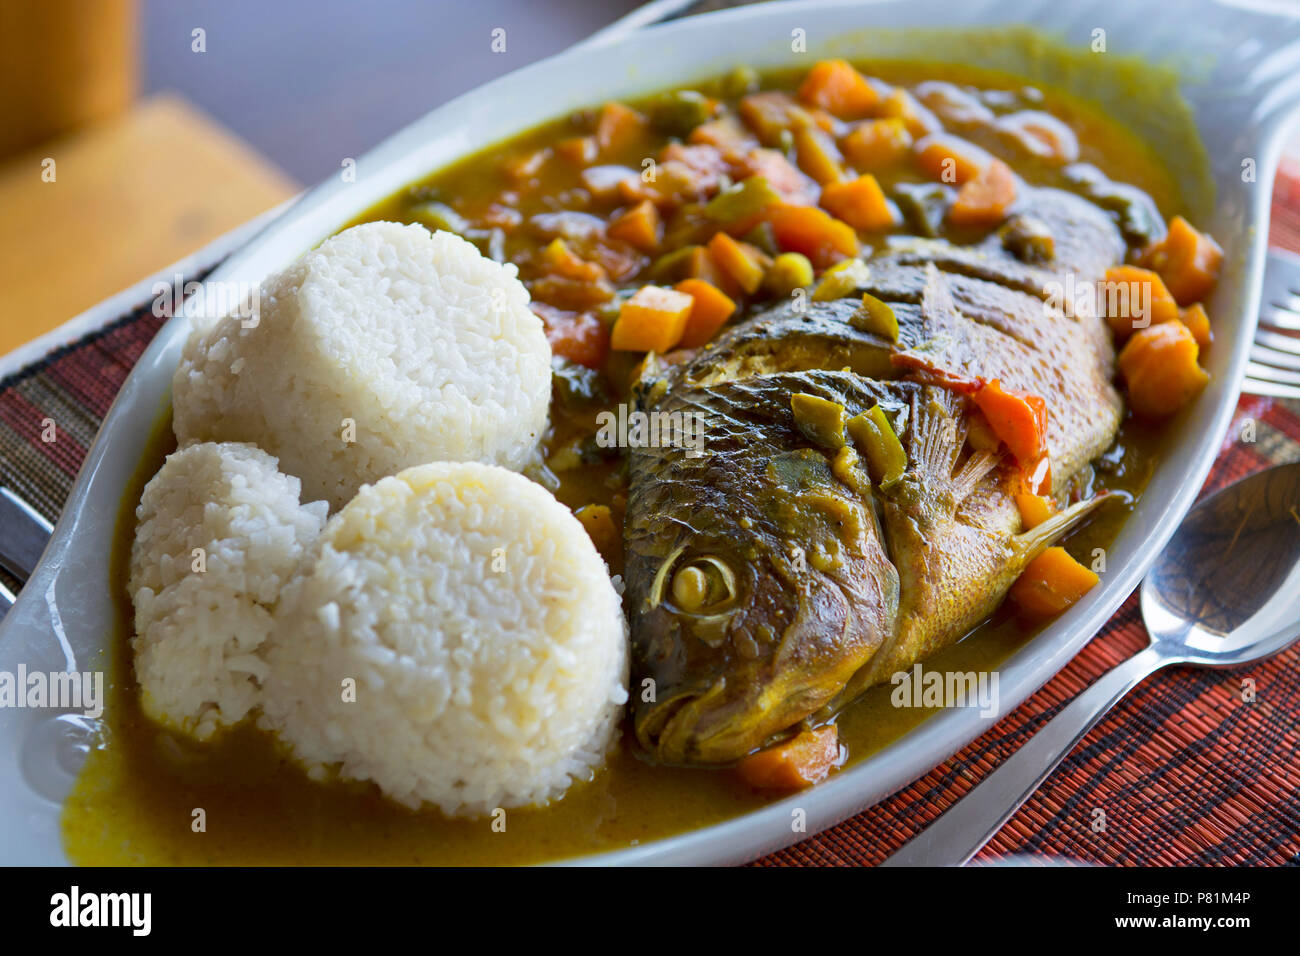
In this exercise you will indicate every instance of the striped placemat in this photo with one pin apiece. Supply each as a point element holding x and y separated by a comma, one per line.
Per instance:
<point>1184,771</point>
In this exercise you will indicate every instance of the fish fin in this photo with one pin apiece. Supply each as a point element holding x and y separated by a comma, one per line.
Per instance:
<point>937,436</point>
<point>975,467</point>
<point>1036,540</point>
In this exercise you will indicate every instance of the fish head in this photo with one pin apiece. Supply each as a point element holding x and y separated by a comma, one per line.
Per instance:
<point>757,580</point>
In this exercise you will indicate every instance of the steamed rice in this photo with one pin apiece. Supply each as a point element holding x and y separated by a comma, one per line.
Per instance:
<point>219,532</point>
<point>478,630</point>
<point>385,347</point>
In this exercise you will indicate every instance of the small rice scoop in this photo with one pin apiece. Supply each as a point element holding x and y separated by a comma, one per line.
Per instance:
<point>385,347</point>
<point>455,638</point>
<point>220,530</point>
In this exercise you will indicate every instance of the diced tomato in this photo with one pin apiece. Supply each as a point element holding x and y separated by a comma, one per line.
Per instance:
<point>783,176</point>
<point>1018,418</point>
<point>578,336</point>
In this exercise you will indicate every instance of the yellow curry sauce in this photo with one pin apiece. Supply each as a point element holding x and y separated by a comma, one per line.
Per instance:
<point>136,799</point>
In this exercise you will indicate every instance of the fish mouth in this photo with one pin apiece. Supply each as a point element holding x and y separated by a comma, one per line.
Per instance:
<point>716,725</point>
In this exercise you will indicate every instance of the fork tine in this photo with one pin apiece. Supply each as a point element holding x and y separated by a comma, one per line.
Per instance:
<point>1279,341</point>
<point>1275,358</point>
<point>1255,386</point>
<point>26,534</point>
<point>1266,373</point>
<point>6,600</point>
<point>1280,318</point>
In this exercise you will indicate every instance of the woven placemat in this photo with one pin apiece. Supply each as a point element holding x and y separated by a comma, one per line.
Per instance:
<point>1184,770</point>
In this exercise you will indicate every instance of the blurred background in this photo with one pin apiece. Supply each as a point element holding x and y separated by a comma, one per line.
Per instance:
<point>137,131</point>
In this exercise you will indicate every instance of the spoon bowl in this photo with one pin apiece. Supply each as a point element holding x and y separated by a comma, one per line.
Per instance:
<point>1226,589</point>
<point>1224,592</point>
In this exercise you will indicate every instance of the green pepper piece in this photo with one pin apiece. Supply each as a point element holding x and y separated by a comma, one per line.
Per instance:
<point>876,317</point>
<point>875,438</point>
<point>841,279</point>
<point>741,80</point>
<point>438,215</point>
<point>679,112</point>
<point>820,420</point>
<point>764,238</point>
<point>671,265</point>
<point>746,200</point>
<point>923,205</point>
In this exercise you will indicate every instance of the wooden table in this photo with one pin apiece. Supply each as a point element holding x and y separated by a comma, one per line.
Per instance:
<point>128,197</point>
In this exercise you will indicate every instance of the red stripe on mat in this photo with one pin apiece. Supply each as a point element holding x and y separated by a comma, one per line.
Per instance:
<point>30,423</point>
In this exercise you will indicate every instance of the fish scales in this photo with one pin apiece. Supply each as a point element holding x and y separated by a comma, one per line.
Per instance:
<point>814,584</point>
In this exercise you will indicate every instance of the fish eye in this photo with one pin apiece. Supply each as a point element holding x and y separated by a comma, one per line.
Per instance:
<point>705,584</point>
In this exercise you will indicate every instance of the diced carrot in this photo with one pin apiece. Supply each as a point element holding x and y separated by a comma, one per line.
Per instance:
<point>1187,260</point>
<point>619,128</point>
<point>877,144</point>
<point>693,262</point>
<point>1198,323</point>
<point>861,203</point>
<point>711,309</point>
<point>807,229</point>
<point>1159,366</point>
<point>793,764</point>
<point>579,150</point>
<point>836,86</point>
<point>1018,418</point>
<point>770,114</point>
<point>640,226</point>
<point>900,104</point>
<point>1051,583</point>
<point>653,320</point>
<point>826,122</point>
<point>1133,298</point>
<point>950,159</point>
<point>817,155</point>
<point>577,336</point>
<point>736,260</point>
<point>984,200</point>
<point>1034,509</point>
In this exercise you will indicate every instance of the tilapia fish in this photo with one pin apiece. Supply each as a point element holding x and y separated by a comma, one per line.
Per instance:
<point>769,581</point>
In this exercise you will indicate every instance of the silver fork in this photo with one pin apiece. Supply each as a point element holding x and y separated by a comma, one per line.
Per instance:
<point>1274,369</point>
<point>1274,366</point>
<point>24,532</point>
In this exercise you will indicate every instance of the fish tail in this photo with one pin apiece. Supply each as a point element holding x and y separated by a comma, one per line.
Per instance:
<point>1036,540</point>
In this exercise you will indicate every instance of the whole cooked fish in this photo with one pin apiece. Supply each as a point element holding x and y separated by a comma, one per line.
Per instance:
<point>770,580</point>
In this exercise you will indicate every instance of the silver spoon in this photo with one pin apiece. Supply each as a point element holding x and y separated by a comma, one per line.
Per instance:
<point>1225,592</point>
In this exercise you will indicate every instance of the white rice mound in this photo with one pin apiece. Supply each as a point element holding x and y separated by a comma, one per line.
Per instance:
<point>201,620</point>
<point>486,644</point>
<point>422,346</point>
